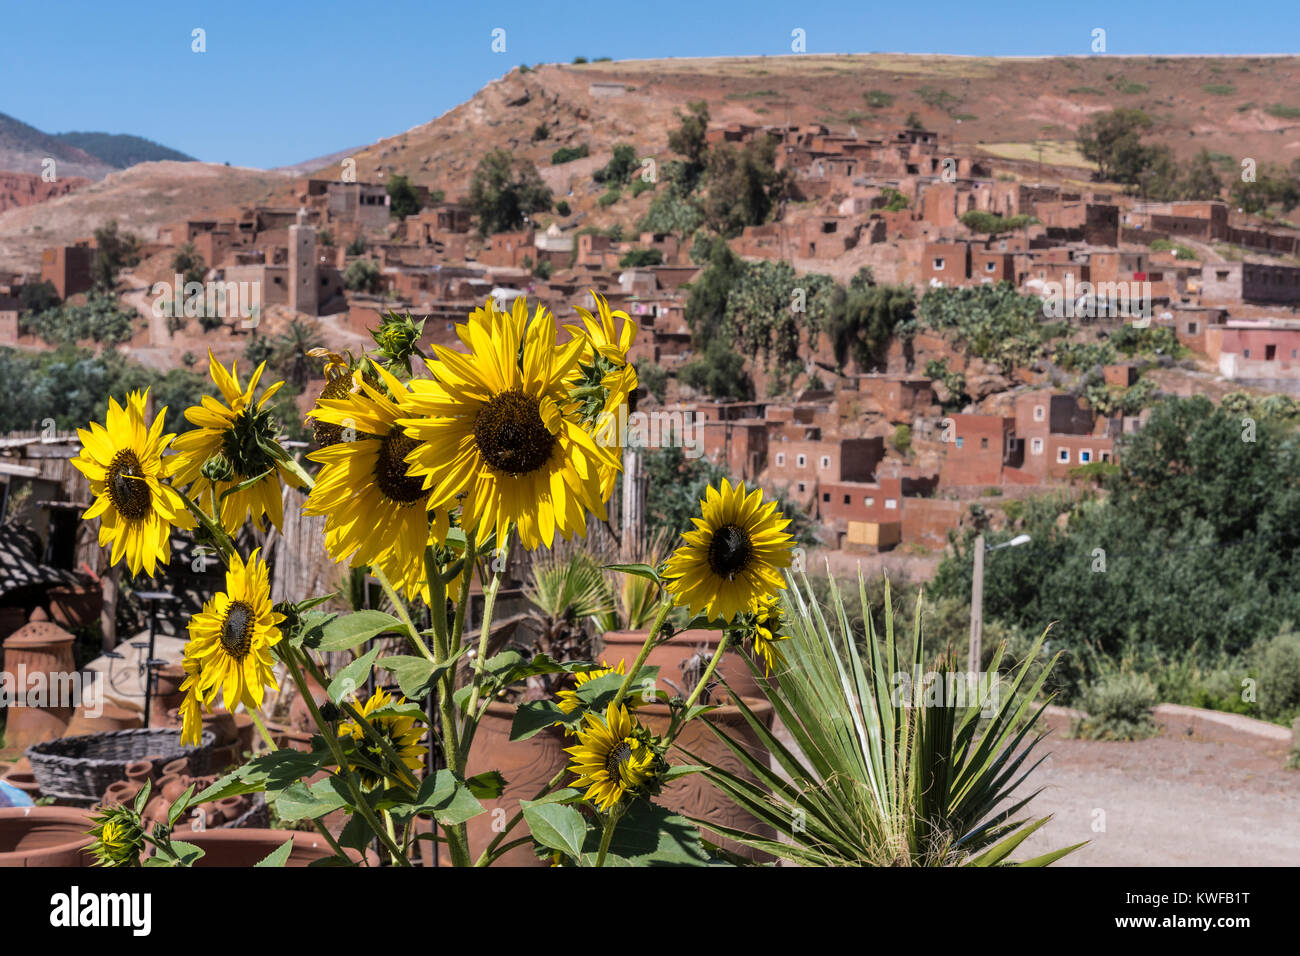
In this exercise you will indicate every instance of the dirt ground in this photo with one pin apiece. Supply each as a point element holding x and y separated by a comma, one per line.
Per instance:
<point>1196,795</point>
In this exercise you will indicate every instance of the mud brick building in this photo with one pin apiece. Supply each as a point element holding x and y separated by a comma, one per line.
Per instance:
<point>67,268</point>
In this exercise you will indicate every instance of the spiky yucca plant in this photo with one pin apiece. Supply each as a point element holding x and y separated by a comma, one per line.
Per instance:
<point>879,775</point>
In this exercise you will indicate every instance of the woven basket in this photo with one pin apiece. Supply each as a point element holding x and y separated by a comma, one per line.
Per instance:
<point>79,769</point>
<point>257,815</point>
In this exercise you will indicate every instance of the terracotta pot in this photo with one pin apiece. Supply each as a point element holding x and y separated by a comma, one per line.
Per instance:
<point>38,647</point>
<point>693,795</point>
<point>222,725</point>
<point>180,766</point>
<point>223,757</point>
<point>123,791</point>
<point>45,836</point>
<point>111,717</point>
<point>292,739</point>
<point>669,658</point>
<point>139,771</point>
<point>171,786</point>
<point>249,846</point>
<point>526,764</point>
<point>167,695</point>
<point>232,808</point>
<point>75,605</point>
<point>25,781</point>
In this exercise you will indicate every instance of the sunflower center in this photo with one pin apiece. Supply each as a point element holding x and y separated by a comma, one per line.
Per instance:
<point>616,758</point>
<point>390,468</point>
<point>511,435</point>
<point>237,629</point>
<point>729,551</point>
<point>127,488</point>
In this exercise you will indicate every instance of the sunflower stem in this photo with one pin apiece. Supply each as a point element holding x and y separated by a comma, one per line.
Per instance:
<point>467,576</point>
<point>457,834</point>
<point>293,467</point>
<point>214,530</point>
<point>400,607</point>
<point>485,634</point>
<point>610,822</point>
<point>664,607</point>
<point>332,741</point>
<point>261,729</point>
<point>699,687</point>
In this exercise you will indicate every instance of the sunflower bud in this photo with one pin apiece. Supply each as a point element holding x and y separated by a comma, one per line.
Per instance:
<point>218,468</point>
<point>119,837</point>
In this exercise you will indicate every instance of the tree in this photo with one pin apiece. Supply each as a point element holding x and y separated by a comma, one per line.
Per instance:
<point>289,351</point>
<point>865,318</point>
<point>690,139</point>
<point>744,185</point>
<point>913,121</point>
<point>706,305</point>
<point>403,198</point>
<point>114,251</point>
<point>720,373</point>
<point>363,276</point>
<point>990,223</point>
<point>1114,142</point>
<point>36,297</point>
<point>1201,180</point>
<point>357,247</point>
<point>636,258</point>
<point>562,208</point>
<point>504,191</point>
<point>621,166</point>
<point>189,264</point>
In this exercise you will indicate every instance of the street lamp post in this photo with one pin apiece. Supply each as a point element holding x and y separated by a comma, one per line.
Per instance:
<point>977,597</point>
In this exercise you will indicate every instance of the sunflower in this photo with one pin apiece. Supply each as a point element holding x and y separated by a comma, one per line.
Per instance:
<point>376,511</point>
<point>497,435</point>
<point>613,757</point>
<point>730,560</point>
<point>607,348</point>
<point>119,836</point>
<point>402,731</point>
<point>234,442</point>
<point>231,638</point>
<point>123,461</point>
<point>766,632</point>
<point>191,709</point>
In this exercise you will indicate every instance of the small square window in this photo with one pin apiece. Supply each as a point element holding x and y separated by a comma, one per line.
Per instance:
<point>1036,446</point>
<point>984,443</point>
<point>1105,456</point>
<point>1085,456</point>
<point>826,497</point>
<point>990,266</point>
<point>780,458</point>
<point>891,504</point>
<point>801,461</point>
<point>869,501</point>
<point>1191,328</point>
<point>1063,455</point>
<point>959,441</point>
<point>938,264</point>
<point>826,462</point>
<point>847,499</point>
<point>802,487</point>
<point>1245,353</point>
<point>1040,413</point>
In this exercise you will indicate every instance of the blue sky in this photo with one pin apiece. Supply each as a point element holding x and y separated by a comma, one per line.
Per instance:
<point>283,81</point>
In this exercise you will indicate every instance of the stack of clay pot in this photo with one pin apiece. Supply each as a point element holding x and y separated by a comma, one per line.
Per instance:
<point>234,736</point>
<point>174,780</point>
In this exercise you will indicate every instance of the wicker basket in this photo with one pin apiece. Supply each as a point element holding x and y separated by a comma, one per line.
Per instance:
<point>79,769</point>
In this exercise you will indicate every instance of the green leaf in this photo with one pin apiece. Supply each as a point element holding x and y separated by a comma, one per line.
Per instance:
<point>186,854</point>
<point>178,808</point>
<point>556,826</point>
<point>640,570</point>
<point>272,771</point>
<point>596,694</point>
<point>311,628</point>
<point>487,786</point>
<point>142,797</point>
<point>534,716</point>
<point>448,799</point>
<point>353,630</point>
<point>682,770</point>
<point>649,835</point>
<point>563,795</point>
<point>278,856</point>
<point>352,677</point>
<point>416,675</point>
<point>298,801</point>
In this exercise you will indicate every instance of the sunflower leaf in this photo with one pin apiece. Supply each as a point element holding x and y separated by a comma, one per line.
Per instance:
<point>311,628</point>
<point>648,834</point>
<point>556,826</point>
<point>446,797</point>
<point>277,857</point>
<point>298,801</point>
<point>353,676</point>
<point>534,716</point>
<point>270,771</point>
<point>598,693</point>
<point>177,809</point>
<point>640,570</point>
<point>353,630</point>
<point>486,786</point>
<point>415,675</point>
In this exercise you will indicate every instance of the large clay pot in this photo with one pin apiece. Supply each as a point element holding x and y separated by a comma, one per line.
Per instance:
<point>693,795</point>
<point>75,606</point>
<point>527,766</point>
<point>167,695</point>
<point>38,647</point>
<point>45,836</point>
<point>250,846</point>
<point>670,656</point>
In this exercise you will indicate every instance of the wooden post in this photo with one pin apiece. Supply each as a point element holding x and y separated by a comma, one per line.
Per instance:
<point>632,530</point>
<point>977,608</point>
<point>108,611</point>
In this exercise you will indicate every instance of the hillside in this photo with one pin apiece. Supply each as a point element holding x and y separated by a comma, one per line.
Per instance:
<point>1026,109</point>
<point>121,150</point>
<point>24,148</point>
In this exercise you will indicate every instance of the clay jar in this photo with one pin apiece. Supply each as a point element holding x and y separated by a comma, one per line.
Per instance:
<point>527,766</point>
<point>45,836</point>
<point>250,846</point>
<point>167,696</point>
<point>139,771</point>
<point>670,656</point>
<point>693,795</point>
<point>38,647</point>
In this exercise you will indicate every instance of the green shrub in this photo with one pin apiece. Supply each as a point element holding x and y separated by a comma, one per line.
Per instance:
<point>878,99</point>
<point>636,258</point>
<point>1119,707</point>
<point>903,439</point>
<point>610,197</point>
<point>640,185</point>
<point>1278,664</point>
<point>540,132</point>
<point>562,208</point>
<point>1220,89</point>
<point>567,154</point>
<point>1282,112</point>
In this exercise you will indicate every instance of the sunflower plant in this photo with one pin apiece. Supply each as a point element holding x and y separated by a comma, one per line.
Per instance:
<point>430,467</point>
